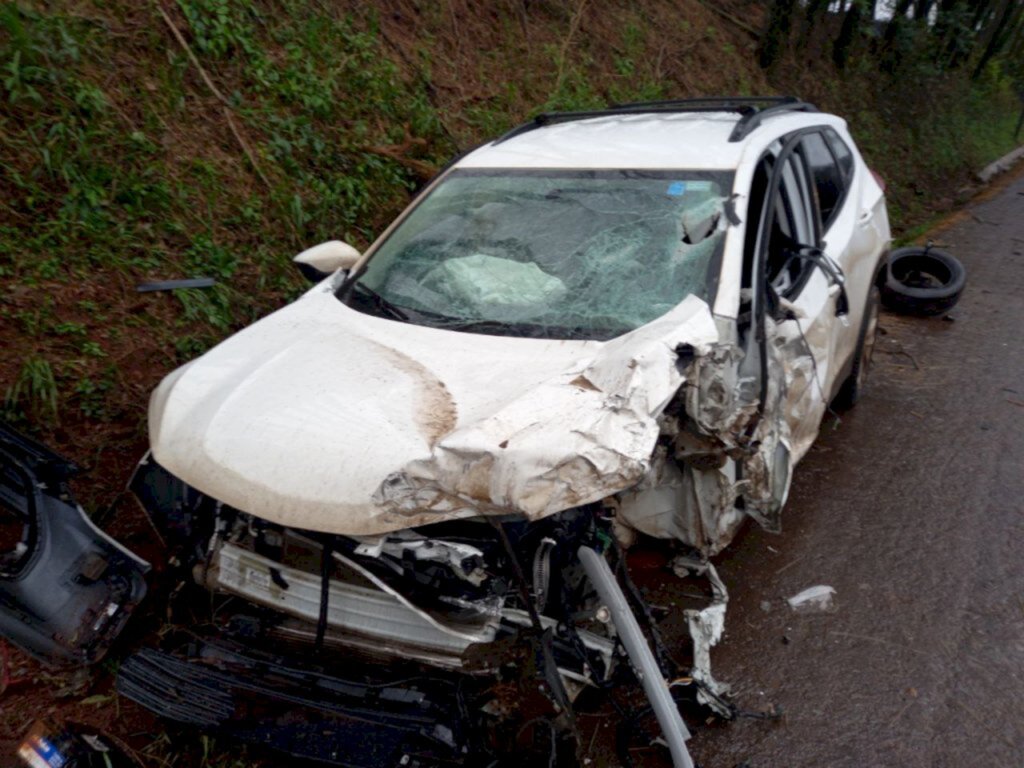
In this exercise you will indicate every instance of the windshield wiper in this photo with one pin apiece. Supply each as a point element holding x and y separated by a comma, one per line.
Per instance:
<point>380,303</point>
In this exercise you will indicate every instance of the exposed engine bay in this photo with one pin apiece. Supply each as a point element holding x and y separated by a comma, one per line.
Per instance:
<point>505,620</point>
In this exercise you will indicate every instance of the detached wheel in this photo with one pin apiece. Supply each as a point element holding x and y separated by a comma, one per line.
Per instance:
<point>922,281</point>
<point>852,389</point>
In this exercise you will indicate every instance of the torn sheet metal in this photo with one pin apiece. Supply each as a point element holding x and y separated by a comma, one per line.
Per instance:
<point>575,439</point>
<point>66,588</point>
<point>706,627</point>
<point>684,500</point>
<point>726,447</point>
<point>324,418</point>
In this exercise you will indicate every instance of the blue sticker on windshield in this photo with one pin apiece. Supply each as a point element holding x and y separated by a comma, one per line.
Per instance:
<point>676,188</point>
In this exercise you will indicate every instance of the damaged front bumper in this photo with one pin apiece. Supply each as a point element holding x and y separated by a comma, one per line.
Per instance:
<point>371,620</point>
<point>488,606</point>
<point>349,719</point>
<point>66,588</point>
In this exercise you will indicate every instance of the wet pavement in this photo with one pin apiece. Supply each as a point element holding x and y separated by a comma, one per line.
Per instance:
<point>913,510</point>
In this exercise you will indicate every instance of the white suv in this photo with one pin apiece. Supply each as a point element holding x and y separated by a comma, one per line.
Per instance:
<point>512,343</point>
<point>600,325</point>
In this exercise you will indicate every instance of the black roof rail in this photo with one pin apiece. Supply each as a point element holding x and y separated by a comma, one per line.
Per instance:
<point>751,109</point>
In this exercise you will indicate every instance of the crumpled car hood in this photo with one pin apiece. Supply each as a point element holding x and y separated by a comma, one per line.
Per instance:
<point>324,418</point>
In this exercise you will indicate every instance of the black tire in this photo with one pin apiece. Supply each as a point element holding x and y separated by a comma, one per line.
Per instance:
<point>853,387</point>
<point>922,281</point>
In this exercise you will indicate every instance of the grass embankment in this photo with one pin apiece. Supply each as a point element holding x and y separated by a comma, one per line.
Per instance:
<point>127,155</point>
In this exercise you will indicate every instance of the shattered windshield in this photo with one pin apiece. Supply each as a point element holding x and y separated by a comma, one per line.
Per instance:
<point>551,254</point>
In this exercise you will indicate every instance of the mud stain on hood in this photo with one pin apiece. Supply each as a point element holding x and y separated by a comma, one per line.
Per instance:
<point>435,410</point>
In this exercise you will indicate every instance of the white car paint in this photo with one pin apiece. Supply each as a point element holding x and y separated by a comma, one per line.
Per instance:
<point>325,418</point>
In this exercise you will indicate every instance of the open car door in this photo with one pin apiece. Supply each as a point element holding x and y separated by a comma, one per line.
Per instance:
<point>797,298</point>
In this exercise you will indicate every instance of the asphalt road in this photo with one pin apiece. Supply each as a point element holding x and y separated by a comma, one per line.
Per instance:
<point>913,510</point>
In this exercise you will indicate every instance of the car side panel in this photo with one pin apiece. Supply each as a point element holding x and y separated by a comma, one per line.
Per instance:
<point>858,241</point>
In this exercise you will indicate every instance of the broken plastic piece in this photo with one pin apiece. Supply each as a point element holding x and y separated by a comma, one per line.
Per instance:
<point>816,598</point>
<point>304,712</point>
<point>173,285</point>
<point>706,627</point>
<point>66,588</point>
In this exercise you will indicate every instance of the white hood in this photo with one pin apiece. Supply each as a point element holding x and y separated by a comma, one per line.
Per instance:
<point>325,418</point>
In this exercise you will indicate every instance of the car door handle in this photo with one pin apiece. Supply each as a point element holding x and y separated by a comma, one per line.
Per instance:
<point>864,217</point>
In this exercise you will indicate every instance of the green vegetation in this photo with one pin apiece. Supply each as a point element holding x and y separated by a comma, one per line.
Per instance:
<point>128,154</point>
<point>34,391</point>
<point>119,164</point>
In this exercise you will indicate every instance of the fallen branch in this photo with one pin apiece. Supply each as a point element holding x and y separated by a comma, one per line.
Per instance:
<point>245,147</point>
<point>729,17</point>
<point>398,152</point>
<point>421,168</point>
<point>192,57</point>
<point>220,97</point>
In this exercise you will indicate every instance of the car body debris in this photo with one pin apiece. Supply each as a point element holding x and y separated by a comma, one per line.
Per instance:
<point>176,285</point>
<point>66,588</point>
<point>587,336</point>
<point>816,598</point>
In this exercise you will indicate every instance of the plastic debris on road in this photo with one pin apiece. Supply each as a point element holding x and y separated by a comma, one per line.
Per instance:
<point>813,599</point>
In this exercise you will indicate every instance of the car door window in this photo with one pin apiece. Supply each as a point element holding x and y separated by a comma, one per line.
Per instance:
<point>793,226</point>
<point>829,182</point>
<point>844,157</point>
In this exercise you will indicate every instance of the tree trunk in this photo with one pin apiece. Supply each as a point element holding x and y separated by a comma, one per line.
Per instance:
<point>815,8</point>
<point>899,17</point>
<point>780,22</point>
<point>957,30</point>
<point>997,34</point>
<point>847,33</point>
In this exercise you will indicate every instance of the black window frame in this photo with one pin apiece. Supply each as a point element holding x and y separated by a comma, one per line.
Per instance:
<point>845,184</point>
<point>791,144</point>
<point>831,138</point>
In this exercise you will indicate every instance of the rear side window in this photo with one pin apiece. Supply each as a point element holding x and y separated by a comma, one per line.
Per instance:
<point>828,178</point>
<point>842,152</point>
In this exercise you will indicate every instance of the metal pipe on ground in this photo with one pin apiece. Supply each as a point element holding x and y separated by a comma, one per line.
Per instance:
<point>640,654</point>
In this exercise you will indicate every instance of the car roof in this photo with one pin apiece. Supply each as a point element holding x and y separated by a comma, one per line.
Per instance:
<point>646,140</point>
